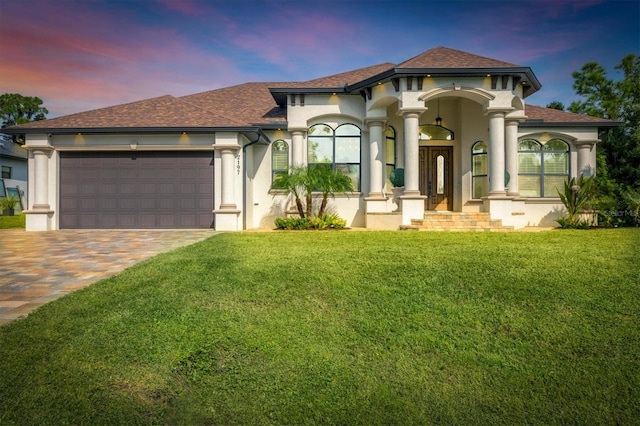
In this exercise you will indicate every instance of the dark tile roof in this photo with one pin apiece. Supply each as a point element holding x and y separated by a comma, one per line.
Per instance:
<point>164,111</point>
<point>444,57</point>
<point>252,104</point>
<point>550,115</point>
<point>248,103</point>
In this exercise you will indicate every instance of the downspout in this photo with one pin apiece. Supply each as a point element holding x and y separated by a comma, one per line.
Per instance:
<point>244,181</point>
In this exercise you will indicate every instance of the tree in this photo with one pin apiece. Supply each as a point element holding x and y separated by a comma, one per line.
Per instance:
<point>619,101</point>
<point>17,109</point>
<point>619,154</point>
<point>320,181</point>
<point>556,105</point>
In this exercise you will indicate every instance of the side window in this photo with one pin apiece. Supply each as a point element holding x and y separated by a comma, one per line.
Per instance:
<point>479,168</point>
<point>6,172</point>
<point>542,169</point>
<point>390,153</point>
<point>279,158</point>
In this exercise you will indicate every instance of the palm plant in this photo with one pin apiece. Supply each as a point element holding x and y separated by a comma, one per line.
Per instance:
<point>293,183</point>
<point>304,182</point>
<point>329,183</point>
<point>576,196</point>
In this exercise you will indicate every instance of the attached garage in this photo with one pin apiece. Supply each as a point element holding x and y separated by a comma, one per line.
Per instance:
<point>136,190</point>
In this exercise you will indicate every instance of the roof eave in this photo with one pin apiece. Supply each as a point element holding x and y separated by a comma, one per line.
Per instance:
<point>280,93</point>
<point>527,75</point>
<point>255,131</point>
<point>542,123</point>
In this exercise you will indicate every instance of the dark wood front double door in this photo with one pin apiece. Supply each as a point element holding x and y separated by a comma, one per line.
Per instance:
<point>436,177</point>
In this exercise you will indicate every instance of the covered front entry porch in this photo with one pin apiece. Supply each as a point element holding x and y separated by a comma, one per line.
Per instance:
<point>436,157</point>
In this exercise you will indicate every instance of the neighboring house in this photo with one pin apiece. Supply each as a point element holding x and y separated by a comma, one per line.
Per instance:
<point>457,123</point>
<point>13,169</point>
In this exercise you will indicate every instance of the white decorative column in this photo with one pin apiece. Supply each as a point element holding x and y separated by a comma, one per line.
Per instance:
<point>227,215</point>
<point>585,148</point>
<point>496,154</point>
<point>41,169</point>
<point>498,203</point>
<point>511,156</point>
<point>297,147</point>
<point>376,202</point>
<point>228,179</point>
<point>376,136</point>
<point>412,201</point>
<point>39,217</point>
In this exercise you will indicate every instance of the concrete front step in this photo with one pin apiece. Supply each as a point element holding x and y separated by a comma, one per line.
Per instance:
<point>457,221</point>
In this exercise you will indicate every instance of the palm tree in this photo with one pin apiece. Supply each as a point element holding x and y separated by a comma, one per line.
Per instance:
<point>293,183</point>
<point>330,182</point>
<point>304,182</point>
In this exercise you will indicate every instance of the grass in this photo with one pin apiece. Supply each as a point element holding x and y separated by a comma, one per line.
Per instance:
<point>342,328</point>
<point>15,221</point>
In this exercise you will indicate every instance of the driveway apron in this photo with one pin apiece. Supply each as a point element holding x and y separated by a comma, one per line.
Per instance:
<point>38,267</point>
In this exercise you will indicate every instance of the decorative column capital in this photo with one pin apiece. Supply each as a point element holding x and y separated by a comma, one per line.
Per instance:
<point>375,121</point>
<point>293,130</point>
<point>588,143</point>
<point>39,149</point>
<point>223,147</point>
<point>411,112</point>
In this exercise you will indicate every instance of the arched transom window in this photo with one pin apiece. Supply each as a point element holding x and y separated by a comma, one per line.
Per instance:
<point>339,148</point>
<point>434,132</point>
<point>542,169</point>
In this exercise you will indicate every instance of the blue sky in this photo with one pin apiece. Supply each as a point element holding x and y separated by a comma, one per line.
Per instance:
<point>84,54</point>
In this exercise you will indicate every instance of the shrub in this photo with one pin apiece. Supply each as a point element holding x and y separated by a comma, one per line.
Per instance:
<point>293,223</point>
<point>326,221</point>
<point>329,221</point>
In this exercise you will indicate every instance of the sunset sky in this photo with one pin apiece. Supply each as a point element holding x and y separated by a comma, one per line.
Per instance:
<point>84,54</point>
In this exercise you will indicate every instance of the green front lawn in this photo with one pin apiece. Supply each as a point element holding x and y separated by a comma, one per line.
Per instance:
<point>342,327</point>
<point>15,221</point>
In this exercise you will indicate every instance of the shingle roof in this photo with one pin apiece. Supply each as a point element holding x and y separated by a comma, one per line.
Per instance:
<point>164,111</point>
<point>550,115</point>
<point>252,104</point>
<point>444,57</point>
<point>248,103</point>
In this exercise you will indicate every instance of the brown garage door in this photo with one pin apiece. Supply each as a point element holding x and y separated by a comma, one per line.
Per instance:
<point>136,190</point>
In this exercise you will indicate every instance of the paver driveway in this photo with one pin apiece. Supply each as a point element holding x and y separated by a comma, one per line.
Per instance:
<point>37,267</point>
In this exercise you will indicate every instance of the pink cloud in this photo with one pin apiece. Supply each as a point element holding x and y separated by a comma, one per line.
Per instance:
<point>72,53</point>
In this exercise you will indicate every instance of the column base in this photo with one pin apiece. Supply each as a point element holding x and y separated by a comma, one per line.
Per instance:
<point>227,219</point>
<point>499,207</point>
<point>412,207</point>
<point>38,220</point>
<point>376,203</point>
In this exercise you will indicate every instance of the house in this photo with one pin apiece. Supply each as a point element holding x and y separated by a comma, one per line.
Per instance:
<point>456,123</point>
<point>13,167</point>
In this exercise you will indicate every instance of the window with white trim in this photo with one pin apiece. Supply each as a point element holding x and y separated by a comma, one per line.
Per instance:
<point>390,136</point>
<point>542,169</point>
<point>339,149</point>
<point>479,168</point>
<point>279,159</point>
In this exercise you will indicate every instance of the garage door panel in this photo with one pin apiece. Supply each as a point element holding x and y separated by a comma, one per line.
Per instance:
<point>108,203</point>
<point>136,190</point>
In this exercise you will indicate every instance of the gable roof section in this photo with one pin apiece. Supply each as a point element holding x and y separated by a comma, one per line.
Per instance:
<point>444,57</point>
